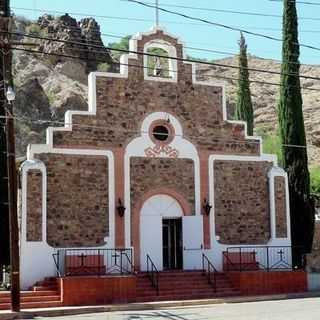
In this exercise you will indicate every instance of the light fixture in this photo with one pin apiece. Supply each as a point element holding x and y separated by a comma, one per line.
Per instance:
<point>206,207</point>
<point>10,94</point>
<point>120,208</point>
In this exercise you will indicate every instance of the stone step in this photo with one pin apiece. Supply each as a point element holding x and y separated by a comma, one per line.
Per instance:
<point>187,296</point>
<point>31,305</point>
<point>45,288</point>
<point>32,298</point>
<point>31,293</point>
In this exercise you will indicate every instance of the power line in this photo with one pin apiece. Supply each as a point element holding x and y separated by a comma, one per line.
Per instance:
<point>248,13</point>
<point>103,128</point>
<point>156,55</point>
<point>220,25</point>
<point>143,67</point>
<point>300,2</point>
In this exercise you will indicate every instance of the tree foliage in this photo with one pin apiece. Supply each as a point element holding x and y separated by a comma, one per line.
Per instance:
<point>292,132</point>
<point>244,108</point>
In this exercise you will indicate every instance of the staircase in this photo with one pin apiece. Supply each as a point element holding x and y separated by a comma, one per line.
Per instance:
<point>43,294</point>
<point>183,285</point>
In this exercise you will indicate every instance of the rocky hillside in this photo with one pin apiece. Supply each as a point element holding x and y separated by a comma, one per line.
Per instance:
<point>47,86</point>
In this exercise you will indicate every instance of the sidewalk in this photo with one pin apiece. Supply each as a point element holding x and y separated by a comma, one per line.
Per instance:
<point>65,311</point>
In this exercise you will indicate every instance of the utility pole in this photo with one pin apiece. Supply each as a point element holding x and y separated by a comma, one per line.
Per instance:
<point>8,97</point>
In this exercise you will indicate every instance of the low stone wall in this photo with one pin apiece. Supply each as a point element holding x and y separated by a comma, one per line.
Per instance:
<point>273,282</point>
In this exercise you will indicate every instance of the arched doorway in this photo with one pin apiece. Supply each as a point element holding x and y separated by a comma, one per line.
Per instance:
<point>161,232</point>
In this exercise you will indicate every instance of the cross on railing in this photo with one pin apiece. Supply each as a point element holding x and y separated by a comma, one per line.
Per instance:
<point>281,253</point>
<point>82,257</point>
<point>115,256</point>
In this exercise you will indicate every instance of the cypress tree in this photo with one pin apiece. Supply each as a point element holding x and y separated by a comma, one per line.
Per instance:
<point>244,109</point>
<point>292,133</point>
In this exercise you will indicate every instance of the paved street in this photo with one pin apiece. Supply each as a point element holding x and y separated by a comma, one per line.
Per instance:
<point>298,309</point>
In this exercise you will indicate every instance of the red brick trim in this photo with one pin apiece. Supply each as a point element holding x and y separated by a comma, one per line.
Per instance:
<point>119,194</point>
<point>204,194</point>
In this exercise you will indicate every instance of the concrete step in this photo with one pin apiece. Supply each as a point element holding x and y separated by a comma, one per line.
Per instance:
<point>31,305</point>
<point>31,298</point>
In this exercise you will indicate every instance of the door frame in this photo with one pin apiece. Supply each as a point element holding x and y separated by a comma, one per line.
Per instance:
<point>178,252</point>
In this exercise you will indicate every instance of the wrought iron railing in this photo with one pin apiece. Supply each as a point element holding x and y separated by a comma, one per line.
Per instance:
<point>267,258</point>
<point>153,273</point>
<point>209,271</point>
<point>76,262</point>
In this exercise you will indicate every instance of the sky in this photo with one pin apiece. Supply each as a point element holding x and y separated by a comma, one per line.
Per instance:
<point>118,18</point>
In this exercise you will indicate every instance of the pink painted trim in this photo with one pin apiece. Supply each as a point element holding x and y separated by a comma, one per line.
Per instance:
<point>187,211</point>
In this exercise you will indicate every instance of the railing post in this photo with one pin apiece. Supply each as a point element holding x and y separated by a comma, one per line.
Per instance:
<point>99,267</point>
<point>58,262</point>
<point>240,260</point>
<point>121,266</point>
<point>203,271</point>
<point>268,266</point>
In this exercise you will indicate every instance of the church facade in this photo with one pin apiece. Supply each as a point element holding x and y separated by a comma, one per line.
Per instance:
<point>153,166</point>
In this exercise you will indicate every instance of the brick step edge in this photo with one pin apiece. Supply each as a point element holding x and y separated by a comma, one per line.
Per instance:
<point>31,305</point>
<point>34,299</point>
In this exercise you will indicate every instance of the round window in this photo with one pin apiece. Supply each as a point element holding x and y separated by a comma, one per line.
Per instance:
<point>160,133</point>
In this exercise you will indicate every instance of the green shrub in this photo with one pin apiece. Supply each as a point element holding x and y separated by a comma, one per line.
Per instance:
<point>103,67</point>
<point>272,145</point>
<point>315,180</point>
<point>34,29</point>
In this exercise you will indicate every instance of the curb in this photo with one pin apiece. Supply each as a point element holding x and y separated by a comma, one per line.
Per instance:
<point>68,311</point>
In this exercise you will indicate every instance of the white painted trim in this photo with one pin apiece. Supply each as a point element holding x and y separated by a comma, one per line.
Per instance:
<point>25,168</point>
<point>38,149</point>
<point>42,249</point>
<point>217,248</point>
<point>172,63</point>
<point>137,147</point>
<point>273,173</point>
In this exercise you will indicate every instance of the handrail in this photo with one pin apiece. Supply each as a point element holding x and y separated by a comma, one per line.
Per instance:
<point>153,274</point>
<point>210,271</point>
<point>129,259</point>
<point>55,257</point>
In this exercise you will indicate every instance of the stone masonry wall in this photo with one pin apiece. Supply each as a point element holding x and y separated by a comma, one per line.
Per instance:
<point>77,199</point>
<point>124,103</point>
<point>147,174</point>
<point>34,205</point>
<point>281,207</point>
<point>242,214</point>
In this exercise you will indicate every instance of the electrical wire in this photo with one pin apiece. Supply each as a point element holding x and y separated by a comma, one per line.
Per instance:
<point>220,25</point>
<point>144,67</point>
<point>135,132</point>
<point>248,13</point>
<point>161,56</point>
<point>299,2</point>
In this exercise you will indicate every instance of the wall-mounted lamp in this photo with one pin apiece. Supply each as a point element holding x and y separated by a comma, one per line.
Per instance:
<point>120,208</point>
<point>206,207</point>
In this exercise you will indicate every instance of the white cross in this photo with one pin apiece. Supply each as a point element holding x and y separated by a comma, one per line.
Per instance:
<point>157,13</point>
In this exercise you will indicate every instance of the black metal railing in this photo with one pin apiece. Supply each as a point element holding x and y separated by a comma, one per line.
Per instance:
<point>209,271</point>
<point>267,258</point>
<point>153,274</point>
<point>76,262</point>
<point>55,257</point>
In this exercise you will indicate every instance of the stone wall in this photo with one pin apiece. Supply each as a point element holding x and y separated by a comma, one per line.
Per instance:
<point>280,206</point>
<point>124,103</point>
<point>147,174</point>
<point>242,214</point>
<point>34,205</point>
<point>77,199</point>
